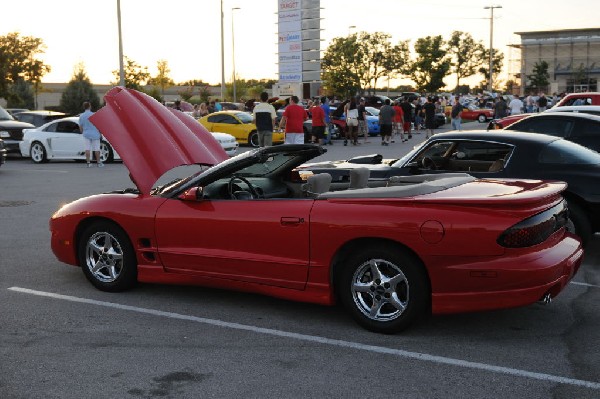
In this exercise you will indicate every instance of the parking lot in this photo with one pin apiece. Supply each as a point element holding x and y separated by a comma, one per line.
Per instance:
<point>62,338</point>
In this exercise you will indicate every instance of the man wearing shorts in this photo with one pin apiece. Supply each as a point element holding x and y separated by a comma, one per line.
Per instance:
<point>386,118</point>
<point>293,119</point>
<point>318,123</point>
<point>91,135</point>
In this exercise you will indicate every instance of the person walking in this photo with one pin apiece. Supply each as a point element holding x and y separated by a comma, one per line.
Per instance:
<point>429,108</point>
<point>398,127</point>
<point>542,103</point>
<point>264,116</point>
<point>363,128</point>
<point>90,134</point>
<point>351,111</point>
<point>292,121</point>
<point>500,108</point>
<point>407,110</point>
<point>318,123</point>
<point>328,128</point>
<point>386,119</point>
<point>455,114</point>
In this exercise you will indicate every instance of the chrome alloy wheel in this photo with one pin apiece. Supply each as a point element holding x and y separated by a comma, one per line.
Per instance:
<point>104,257</point>
<point>380,290</point>
<point>37,153</point>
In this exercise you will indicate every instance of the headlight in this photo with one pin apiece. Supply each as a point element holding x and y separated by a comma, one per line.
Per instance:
<point>4,134</point>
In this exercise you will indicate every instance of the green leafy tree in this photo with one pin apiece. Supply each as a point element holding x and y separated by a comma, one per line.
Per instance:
<point>539,77</point>
<point>78,90</point>
<point>351,64</point>
<point>136,76</point>
<point>465,53</point>
<point>162,79</point>
<point>484,69</point>
<point>431,65</point>
<point>18,63</point>
<point>20,95</point>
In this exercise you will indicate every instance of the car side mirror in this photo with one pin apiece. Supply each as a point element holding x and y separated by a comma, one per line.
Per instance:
<point>193,194</point>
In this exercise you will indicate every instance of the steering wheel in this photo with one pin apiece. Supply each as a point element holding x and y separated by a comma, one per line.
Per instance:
<point>428,163</point>
<point>244,180</point>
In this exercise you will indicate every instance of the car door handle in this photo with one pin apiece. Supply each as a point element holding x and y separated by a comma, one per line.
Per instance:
<point>291,221</point>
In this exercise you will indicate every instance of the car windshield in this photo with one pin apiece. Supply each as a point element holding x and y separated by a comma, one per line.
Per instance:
<point>372,110</point>
<point>5,116</point>
<point>567,152</point>
<point>244,117</point>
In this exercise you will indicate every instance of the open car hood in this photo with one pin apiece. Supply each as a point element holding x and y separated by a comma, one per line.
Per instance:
<point>152,139</point>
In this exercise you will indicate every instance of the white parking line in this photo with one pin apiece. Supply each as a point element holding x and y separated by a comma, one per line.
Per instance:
<point>585,284</point>
<point>326,341</point>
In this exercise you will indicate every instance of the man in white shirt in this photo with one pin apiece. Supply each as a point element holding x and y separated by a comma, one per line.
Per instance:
<point>516,106</point>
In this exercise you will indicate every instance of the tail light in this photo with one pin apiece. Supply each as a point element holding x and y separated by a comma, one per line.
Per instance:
<point>536,229</point>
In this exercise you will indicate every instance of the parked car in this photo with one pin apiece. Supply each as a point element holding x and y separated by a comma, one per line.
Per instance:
<point>474,113</point>
<point>60,139</point>
<point>504,154</point>
<point>238,124</point>
<point>2,152</point>
<point>14,111</point>
<point>579,128</point>
<point>39,118</point>
<point>575,102</point>
<point>11,131</point>
<point>391,254</point>
<point>376,101</point>
<point>577,99</point>
<point>227,141</point>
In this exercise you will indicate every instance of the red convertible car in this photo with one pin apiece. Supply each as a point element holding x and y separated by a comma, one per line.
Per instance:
<point>414,245</point>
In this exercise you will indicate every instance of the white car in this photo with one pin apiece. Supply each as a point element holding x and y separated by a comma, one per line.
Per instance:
<point>60,139</point>
<point>228,142</point>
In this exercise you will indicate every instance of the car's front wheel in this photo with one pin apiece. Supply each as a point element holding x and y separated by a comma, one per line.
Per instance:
<point>37,152</point>
<point>481,118</point>
<point>107,258</point>
<point>384,288</point>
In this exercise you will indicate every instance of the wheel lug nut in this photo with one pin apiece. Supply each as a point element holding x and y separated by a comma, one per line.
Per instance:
<point>387,285</point>
<point>372,288</point>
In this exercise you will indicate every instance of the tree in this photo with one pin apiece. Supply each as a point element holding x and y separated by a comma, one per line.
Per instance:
<point>465,53</point>
<point>162,79</point>
<point>540,76</point>
<point>431,65</point>
<point>484,69</point>
<point>136,76</point>
<point>18,62</point>
<point>78,90</point>
<point>358,61</point>
<point>20,95</point>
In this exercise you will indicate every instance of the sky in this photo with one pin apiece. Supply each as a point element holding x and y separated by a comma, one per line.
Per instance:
<point>187,33</point>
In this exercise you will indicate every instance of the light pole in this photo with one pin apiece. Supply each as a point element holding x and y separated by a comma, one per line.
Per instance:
<point>233,52</point>
<point>222,56</point>
<point>350,29</point>
<point>121,68</point>
<point>491,8</point>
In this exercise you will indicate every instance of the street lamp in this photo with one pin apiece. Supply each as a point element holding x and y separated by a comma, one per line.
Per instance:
<point>222,57</point>
<point>121,68</point>
<point>350,29</point>
<point>233,52</point>
<point>491,8</point>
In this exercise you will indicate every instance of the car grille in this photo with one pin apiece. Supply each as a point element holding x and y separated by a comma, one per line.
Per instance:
<point>11,133</point>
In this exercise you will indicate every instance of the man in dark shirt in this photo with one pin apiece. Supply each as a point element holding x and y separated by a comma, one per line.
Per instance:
<point>407,109</point>
<point>386,119</point>
<point>500,108</point>
<point>264,118</point>
<point>429,108</point>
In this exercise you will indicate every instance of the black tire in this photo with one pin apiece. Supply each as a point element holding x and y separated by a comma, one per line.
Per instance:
<point>37,152</point>
<point>581,222</point>
<point>481,118</point>
<point>107,257</point>
<point>399,295</point>
<point>253,139</point>
<point>106,152</point>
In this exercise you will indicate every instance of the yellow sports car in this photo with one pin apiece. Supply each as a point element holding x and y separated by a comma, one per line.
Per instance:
<point>238,124</point>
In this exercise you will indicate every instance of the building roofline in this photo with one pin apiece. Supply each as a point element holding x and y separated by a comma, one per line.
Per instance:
<point>558,31</point>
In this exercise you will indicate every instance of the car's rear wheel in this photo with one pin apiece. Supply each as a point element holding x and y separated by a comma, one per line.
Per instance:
<point>106,152</point>
<point>253,139</point>
<point>107,258</point>
<point>37,152</point>
<point>581,222</point>
<point>481,118</point>
<point>384,288</point>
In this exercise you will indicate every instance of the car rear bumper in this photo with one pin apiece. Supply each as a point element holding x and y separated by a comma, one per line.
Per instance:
<point>545,272</point>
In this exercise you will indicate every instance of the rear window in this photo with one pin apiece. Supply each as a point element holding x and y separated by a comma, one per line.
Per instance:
<point>567,152</point>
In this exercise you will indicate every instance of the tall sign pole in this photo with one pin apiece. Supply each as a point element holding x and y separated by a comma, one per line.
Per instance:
<point>491,8</point>
<point>121,67</point>
<point>222,57</point>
